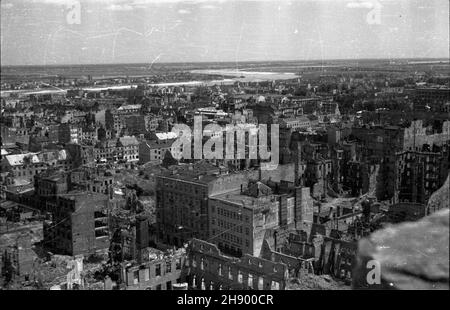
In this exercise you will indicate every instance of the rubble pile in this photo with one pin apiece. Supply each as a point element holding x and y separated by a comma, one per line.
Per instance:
<point>315,282</point>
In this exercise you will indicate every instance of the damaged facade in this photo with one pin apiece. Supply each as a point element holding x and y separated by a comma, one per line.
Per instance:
<point>208,268</point>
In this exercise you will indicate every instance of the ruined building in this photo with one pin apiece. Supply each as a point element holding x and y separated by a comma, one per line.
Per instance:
<point>79,224</point>
<point>207,268</point>
<point>420,173</point>
<point>159,272</point>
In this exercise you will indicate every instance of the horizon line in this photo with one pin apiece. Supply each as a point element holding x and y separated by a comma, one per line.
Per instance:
<point>225,62</point>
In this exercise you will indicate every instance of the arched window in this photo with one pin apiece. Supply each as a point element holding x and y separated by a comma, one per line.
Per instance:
<point>250,280</point>
<point>202,286</point>
<point>230,275</point>
<point>260,283</point>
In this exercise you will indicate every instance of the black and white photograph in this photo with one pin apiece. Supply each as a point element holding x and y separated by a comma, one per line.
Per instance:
<point>232,152</point>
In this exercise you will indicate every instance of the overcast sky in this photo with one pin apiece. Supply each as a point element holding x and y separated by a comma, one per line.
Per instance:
<point>47,32</point>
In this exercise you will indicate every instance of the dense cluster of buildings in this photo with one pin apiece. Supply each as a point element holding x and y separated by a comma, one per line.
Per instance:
<point>221,223</point>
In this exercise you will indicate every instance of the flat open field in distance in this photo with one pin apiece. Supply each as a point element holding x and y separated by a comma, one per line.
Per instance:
<point>11,73</point>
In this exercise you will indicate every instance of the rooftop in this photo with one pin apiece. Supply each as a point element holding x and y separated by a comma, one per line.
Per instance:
<point>81,195</point>
<point>166,135</point>
<point>156,145</point>
<point>130,107</point>
<point>20,159</point>
<point>238,198</point>
<point>201,172</point>
<point>128,140</point>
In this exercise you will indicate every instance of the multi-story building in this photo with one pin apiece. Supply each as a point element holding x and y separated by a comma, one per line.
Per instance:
<point>416,135</point>
<point>81,154</point>
<point>380,145</point>
<point>381,141</point>
<point>22,166</point>
<point>14,135</point>
<point>106,151</point>
<point>318,172</point>
<point>159,272</point>
<point>48,186</point>
<point>79,224</point>
<point>432,98</point>
<point>138,123</point>
<point>25,167</point>
<point>128,149</point>
<point>116,119</point>
<point>135,124</point>
<point>208,269</point>
<point>92,180</point>
<point>239,220</point>
<point>229,209</point>
<point>121,149</point>
<point>182,200</point>
<point>153,151</point>
<point>89,134</point>
<point>73,116</point>
<point>69,133</point>
<point>295,123</point>
<point>420,174</point>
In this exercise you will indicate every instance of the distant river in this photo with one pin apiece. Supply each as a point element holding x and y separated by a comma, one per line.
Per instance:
<point>248,76</point>
<point>232,74</point>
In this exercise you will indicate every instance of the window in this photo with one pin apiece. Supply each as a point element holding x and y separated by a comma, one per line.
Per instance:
<point>250,280</point>
<point>275,285</point>
<point>169,285</point>
<point>158,287</point>
<point>158,270</point>
<point>220,270</point>
<point>136,277</point>
<point>239,277</point>
<point>260,283</point>
<point>168,266</point>
<point>178,264</point>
